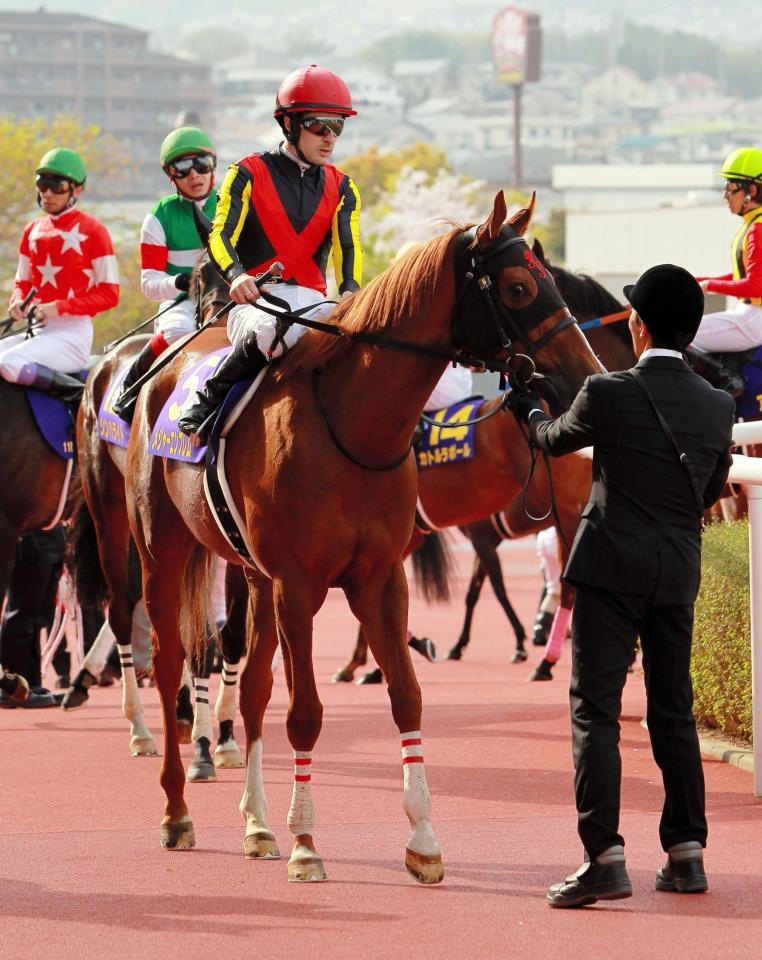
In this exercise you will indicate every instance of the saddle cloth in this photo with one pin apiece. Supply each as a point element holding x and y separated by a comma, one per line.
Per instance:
<point>111,427</point>
<point>54,421</point>
<point>452,442</point>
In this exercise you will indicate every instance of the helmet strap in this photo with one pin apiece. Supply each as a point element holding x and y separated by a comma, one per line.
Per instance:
<point>292,135</point>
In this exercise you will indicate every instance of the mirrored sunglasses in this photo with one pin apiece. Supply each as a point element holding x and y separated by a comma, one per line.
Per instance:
<point>54,184</point>
<point>203,163</point>
<point>319,126</point>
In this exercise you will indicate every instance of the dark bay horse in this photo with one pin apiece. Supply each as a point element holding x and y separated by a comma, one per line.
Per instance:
<point>464,494</point>
<point>107,567</point>
<point>319,468</point>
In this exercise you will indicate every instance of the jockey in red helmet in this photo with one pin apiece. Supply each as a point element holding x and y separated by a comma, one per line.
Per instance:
<point>289,204</point>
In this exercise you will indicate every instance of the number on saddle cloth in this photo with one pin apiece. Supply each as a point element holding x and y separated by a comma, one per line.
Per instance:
<point>453,441</point>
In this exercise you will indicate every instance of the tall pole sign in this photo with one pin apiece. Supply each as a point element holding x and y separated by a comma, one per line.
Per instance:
<point>516,53</point>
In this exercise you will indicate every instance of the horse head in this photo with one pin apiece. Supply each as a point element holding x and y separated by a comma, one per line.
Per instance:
<point>514,307</point>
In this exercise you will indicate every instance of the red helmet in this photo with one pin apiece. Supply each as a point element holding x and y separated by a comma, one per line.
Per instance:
<point>313,88</point>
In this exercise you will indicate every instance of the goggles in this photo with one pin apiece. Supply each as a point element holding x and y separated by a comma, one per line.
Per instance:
<point>179,169</point>
<point>50,182</point>
<point>732,187</point>
<point>319,126</point>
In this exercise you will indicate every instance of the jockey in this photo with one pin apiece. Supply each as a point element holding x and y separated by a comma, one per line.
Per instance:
<point>739,328</point>
<point>68,257</point>
<point>170,246</point>
<point>289,204</point>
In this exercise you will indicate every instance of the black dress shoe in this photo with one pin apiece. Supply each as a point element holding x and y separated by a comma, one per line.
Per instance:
<point>593,881</point>
<point>682,876</point>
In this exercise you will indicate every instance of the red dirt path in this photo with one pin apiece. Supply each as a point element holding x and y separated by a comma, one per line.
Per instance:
<point>82,873</point>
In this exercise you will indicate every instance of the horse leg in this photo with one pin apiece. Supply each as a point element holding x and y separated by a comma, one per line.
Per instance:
<point>381,607</point>
<point>232,638</point>
<point>472,597</point>
<point>256,687</point>
<point>304,720</point>
<point>201,768</point>
<point>90,669</point>
<point>554,556</point>
<point>491,562</point>
<point>184,706</point>
<point>359,659</point>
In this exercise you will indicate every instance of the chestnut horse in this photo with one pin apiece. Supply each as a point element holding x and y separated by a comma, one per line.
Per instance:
<point>106,564</point>
<point>320,470</point>
<point>460,494</point>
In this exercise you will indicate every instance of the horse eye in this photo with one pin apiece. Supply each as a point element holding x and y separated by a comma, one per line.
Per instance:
<point>518,290</point>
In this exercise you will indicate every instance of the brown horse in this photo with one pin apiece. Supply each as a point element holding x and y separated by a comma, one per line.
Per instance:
<point>32,496</point>
<point>460,494</point>
<point>319,468</point>
<point>107,568</point>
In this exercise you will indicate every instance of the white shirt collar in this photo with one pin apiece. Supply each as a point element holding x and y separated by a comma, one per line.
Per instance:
<point>660,352</point>
<point>304,167</point>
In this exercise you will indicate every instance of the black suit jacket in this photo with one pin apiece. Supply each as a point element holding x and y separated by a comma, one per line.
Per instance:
<point>640,534</point>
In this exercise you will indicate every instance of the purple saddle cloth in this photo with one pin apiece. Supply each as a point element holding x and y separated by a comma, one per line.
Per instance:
<point>54,420</point>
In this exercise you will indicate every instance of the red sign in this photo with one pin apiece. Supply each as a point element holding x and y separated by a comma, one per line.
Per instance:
<point>516,45</point>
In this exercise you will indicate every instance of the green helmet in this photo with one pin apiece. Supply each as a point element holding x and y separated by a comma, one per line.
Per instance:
<point>743,164</point>
<point>63,163</point>
<point>183,141</point>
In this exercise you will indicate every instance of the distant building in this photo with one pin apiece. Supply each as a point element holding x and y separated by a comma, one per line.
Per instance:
<point>64,63</point>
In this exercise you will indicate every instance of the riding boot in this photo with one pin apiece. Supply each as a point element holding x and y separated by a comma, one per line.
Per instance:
<point>57,384</point>
<point>244,360</point>
<point>124,407</point>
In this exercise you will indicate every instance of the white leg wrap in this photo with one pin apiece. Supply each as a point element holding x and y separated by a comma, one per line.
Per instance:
<point>301,816</point>
<point>225,705</point>
<point>98,654</point>
<point>547,549</point>
<point>254,802</point>
<point>202,717</point>
<point>416,799</point>
<point>131,704</point>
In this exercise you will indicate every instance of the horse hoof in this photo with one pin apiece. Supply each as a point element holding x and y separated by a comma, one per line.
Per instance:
<point>143,747</point>
<point>424,646</point>
<point>178,836</point>
<point>261,846</point>
<point>305,866</point>
<point>227,756</point>
<point>455,654</point>
<point>372,676</point>
<point>542,671</point>
<point>423,868</point>
<point>74,698</point>
<point>342,676</point>
<point>201,771</point>
<point>519,656</point>
<point>184,731</point>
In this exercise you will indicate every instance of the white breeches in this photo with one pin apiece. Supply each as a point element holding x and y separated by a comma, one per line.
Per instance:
<point>178,321</point>
<point>246,320</point>
<point>63,345</point>
<point>739,328</point>
<point>456,383</point>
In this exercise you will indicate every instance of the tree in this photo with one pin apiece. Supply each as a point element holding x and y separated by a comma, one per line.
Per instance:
<point>457,49</point>
<point>376,172</point>
<point>215,44</point>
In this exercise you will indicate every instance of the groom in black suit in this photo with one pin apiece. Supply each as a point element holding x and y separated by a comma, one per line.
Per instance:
<point>636,566</point>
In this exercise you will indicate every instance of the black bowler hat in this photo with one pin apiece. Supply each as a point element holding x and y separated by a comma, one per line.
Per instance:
<point>669,301</point>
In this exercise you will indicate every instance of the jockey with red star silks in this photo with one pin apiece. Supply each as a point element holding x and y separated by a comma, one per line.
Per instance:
<point>170,247</point>
<point>68,257</point>
<point>289,205</point>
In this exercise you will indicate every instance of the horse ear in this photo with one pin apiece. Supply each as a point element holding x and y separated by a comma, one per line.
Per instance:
<point>488,232</point>
<point>538,251</point>
<point>203,224</point>
<point>520,221</point>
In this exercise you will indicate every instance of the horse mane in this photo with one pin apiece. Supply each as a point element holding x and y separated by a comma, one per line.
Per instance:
<point>403,290</point>
<point>587,298</point>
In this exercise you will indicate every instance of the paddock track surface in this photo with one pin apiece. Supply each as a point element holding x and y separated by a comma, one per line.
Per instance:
<point>82,873</point>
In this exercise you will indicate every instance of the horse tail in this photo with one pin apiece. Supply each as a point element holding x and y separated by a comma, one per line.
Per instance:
<point>194,604</point>
<point>432,567</point>
<point>84,561</point>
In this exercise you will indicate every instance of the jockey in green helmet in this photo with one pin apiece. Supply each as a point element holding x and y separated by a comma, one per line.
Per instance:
<point>170,245</point>
<point>740,327</point>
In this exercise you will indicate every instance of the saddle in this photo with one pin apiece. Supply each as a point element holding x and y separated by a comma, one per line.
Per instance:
<point>724,370</point>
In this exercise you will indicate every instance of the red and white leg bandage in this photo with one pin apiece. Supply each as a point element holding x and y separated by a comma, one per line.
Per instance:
<point>301,816</point>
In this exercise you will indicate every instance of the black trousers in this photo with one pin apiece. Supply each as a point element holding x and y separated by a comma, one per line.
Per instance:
<point>31,601</point>
<point>604,629</point>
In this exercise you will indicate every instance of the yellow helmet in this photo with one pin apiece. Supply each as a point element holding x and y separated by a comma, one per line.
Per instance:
<point>743,164</point>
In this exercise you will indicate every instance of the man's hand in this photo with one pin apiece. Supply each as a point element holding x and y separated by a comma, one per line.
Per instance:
<point>44,312</point>
<point>14,308</point>
<point>244,289</point>
<point>523,404</point>
<point>182,282</point>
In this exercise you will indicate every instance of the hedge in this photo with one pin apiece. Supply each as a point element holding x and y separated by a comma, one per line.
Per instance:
<point>721,665</point>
